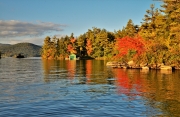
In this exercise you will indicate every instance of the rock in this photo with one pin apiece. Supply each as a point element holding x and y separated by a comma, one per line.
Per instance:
<point>164,67</point>
<point>143,64</point>
<point>145,68</point>
<point>112,64</point>
<point>131,63</point>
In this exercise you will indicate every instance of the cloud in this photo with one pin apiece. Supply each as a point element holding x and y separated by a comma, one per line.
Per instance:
<point>14,28</point>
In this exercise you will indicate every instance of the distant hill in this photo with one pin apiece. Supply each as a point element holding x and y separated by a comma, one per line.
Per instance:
<point>4,45</point>
<point>27,49</point>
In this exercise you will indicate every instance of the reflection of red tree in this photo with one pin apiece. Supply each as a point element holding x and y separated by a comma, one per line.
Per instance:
<point>71,67</point>
<point>88,70</point>
<point>122,81</point>
<point>126,84</point>
<point>140,84</point>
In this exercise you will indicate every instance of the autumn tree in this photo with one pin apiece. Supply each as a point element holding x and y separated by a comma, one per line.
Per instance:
<point>130,48</point>
<point>81,45</point>
<point>130,29</point>
<point>62,49</point>
<point>171,10</point>
<point>89,47</point>
<point>49,48</point>
<point>148,27</point>
<point>100,43</point>
<point>71,47</point>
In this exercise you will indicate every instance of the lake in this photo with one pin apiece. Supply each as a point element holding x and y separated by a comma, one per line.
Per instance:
<point>85,88</point>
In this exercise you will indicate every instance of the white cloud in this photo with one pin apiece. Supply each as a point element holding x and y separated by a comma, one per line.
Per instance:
<point>14,28</point>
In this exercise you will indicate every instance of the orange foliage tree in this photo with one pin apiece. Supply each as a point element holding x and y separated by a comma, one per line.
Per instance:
<point>89,47</point>
<point>129,46</point>
<point>72,40</point>
<point>72,46</point>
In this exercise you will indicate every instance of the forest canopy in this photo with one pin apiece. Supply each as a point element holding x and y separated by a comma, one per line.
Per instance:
<point>156,40</point>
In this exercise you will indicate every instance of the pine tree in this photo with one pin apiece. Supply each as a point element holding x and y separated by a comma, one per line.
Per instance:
<point>171,9</point>
<point>130,29</point>
<point>149,26</point>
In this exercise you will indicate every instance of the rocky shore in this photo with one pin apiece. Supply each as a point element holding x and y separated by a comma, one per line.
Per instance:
<point>132,65</point>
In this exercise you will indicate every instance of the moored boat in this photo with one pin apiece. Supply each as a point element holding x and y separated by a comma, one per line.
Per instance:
<point>20,56</point>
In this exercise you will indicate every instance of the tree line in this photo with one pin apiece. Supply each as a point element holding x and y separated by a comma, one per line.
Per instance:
<point>156,40</point>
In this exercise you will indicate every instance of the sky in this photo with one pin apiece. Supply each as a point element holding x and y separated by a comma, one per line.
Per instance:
<point>32,20</point>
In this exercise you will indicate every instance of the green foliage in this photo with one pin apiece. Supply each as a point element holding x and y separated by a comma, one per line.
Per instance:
<point>160,32</point>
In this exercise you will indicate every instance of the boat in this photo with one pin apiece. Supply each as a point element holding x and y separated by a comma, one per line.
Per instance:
<point>20,56</point>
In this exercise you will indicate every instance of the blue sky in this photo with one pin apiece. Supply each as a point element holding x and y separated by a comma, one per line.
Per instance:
<point>33,20</point>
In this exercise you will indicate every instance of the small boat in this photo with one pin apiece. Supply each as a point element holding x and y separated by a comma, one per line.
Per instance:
<point>20,56</point>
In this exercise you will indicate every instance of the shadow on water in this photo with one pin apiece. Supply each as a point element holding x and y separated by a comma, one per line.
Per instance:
<point>160,88</point>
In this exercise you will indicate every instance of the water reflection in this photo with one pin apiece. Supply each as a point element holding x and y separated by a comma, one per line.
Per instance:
<point>85,88</point>
<point>160,89</point>
<point>71,68</point>
<point>88,70</point>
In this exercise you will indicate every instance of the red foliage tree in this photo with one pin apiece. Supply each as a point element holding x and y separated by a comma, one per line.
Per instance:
<point>70,48</point>
<point>72,40</point>
<point>89,47</point>
<point>128,43</point>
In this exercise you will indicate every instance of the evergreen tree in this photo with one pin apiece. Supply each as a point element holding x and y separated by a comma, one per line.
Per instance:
<point>130,29</point>
<point>171,9</point>
<point>149,26</point>
<point>62,50</point>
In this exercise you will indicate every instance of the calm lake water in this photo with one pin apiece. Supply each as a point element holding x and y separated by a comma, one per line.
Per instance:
<point>35,87</point>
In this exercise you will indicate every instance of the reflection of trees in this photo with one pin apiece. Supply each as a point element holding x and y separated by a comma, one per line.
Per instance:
<point>164,88</point>
<point>155,86</point>
<point>53,70</point>
<point>159,88</point>
<point>99,72</point>
<point>47,67</point>
<point>71,68</point>
<point>88,70</point>
<point>127,82</point>
<point>93,71</point>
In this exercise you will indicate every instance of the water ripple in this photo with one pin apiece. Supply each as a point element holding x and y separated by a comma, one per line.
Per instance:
<point>32,87</point>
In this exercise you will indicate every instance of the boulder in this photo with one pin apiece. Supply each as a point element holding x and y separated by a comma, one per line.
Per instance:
<point>145,68</point>
<point>131,63</point>
<point>112,64</point>
<point>165,67</point>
